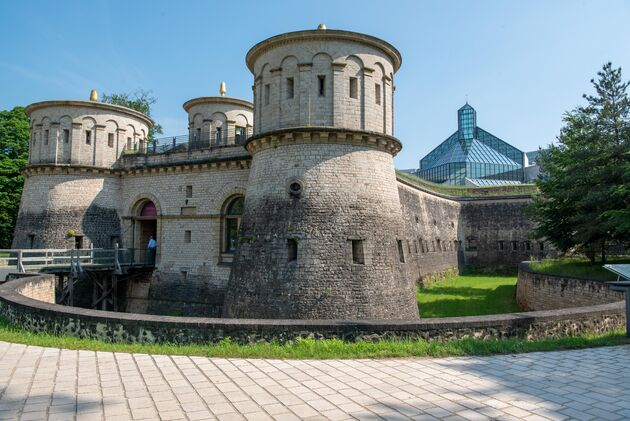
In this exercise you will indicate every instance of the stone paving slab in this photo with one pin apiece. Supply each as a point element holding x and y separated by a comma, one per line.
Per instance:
<point>54,384</point>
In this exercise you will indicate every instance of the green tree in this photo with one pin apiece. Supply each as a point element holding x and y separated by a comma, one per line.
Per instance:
<point>14,134</point>
<point>139,100</point>
<point>585,199</point>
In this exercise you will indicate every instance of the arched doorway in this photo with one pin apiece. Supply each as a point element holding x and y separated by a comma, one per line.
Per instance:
<point>145,224</point>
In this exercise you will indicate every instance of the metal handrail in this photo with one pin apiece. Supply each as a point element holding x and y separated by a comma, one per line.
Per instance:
<point>184,143</point>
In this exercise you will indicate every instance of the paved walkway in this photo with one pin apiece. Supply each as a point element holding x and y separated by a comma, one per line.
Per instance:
<point>47,383</point>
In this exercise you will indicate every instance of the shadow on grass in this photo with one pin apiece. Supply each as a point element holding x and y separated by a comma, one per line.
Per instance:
<point>473,301</point>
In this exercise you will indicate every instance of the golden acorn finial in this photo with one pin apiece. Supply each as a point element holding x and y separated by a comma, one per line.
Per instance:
<point>93,95</point>
<point>222,89</point>
<point>321,26</point>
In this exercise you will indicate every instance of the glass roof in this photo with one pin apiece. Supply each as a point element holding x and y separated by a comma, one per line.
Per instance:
<point>485,182</point>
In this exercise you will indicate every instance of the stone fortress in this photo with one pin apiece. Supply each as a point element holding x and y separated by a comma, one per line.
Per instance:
<point>287,208</point>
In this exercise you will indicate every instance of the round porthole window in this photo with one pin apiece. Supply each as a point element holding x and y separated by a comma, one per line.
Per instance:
<point>295,188</point>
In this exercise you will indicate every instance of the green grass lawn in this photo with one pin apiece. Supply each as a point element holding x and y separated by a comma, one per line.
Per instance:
<point>469,295</point>
<point>321,349</point>
<point>578,267</point>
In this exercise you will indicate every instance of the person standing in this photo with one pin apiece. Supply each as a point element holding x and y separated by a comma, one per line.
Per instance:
<point>151,249</point>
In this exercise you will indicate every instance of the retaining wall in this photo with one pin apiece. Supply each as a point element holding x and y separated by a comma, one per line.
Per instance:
<point>540,291</point>
<point>19,305</point>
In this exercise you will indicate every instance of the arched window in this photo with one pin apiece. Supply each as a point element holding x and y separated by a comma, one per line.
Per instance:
<point>231,222</point>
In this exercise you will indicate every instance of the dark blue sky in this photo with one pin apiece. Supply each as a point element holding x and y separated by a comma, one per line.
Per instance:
<point>521,64</point>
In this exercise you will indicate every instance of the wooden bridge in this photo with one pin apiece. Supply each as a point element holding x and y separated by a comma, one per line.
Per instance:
<point>103,268</point>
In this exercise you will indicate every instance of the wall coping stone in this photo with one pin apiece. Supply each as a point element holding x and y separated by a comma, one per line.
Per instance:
<point>463,198</point>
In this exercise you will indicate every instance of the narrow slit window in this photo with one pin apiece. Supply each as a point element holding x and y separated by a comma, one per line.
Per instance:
<point>198,134</point>
<point>321,80</point>
<point>401,251</point>
<point>267,93</point>
<point>358,258</point>
<point>542,246</point>
<point>188,191</point>
<point>66,135</point>
<point>514,246</point>
<point>377,93</point>
<point>290,88</point>
<point>354,88</point>
<point>439,244</point>
<point>187,236</point>
<point>292,249</point>
<point>88,137</point>
<point>501,245</point>
<point>46,134</point>
<point>110,140</point>
<point>528,245</point>
<point>129,143</point>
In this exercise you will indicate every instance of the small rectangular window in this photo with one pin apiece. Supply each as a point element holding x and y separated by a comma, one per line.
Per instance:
<point>528,245</point>
<point>501,245</point>
<point>66,135</point>
<point>439,244</point>
<point>78,241</point>
<point>188,191</point>
<point>541,245</point>
<point>401,251</point>
<point>415,246</point>
<point>110,140</point>
<point>421,241</point>
<point>31,241</point>
<point>267,93</point>
<point>187,236</point>
<point>46,133</point>
<point>290,88</point>
<point>377,93</point>
<point>292,249</point>
<point>354,88</point>
<point>88,137</point>
<point>128,143</point>
<point>358,257</point>
<point>514,246</point>
<point>198,134</point>
<point>472,244</point>
<point>321,87</point>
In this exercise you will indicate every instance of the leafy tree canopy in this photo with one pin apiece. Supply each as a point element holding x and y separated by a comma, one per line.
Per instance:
<point>585,194</point>
<point>139,100</point>
<point>14,134</point>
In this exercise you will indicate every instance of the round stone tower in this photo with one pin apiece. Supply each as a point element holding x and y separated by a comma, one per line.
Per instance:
<point>70,195</point>
<point>322,229</point>
<point>219,120</point>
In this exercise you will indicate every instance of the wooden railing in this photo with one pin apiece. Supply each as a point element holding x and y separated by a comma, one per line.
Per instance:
<point>33,260</point>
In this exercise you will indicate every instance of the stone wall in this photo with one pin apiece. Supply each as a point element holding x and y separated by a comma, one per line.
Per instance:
<point>348,194</point>
<point>497,232</point>
<point>40,316</point>
<point>56,201</point>
<point>111,128</point>
<point>40,288</point>
<point>332,58</point>
<point>540,291</point>
<point>431,232</point>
